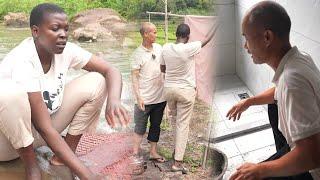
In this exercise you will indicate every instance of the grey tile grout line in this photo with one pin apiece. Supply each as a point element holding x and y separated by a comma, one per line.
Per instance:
<point>240,133</point>
<point>258,148</point>
<point>238,148</point>
<point>254,150</point>
<point>239,153</point>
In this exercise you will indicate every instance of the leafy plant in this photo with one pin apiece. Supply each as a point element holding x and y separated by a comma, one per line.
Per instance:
<point>130,9</point>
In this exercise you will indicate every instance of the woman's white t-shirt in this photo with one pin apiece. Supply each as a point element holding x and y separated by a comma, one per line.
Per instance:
<point>22,65</point>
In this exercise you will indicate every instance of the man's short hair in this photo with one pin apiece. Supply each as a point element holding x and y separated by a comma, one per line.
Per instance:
<point>39,11</point>
<point>183,31</point>
<point>272,16</point>
<point>145,27</point>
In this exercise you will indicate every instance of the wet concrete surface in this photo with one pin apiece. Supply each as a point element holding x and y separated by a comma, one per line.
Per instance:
<point>14,170</point>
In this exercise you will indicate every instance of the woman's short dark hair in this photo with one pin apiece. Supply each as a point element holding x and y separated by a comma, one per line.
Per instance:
<point>38,12</point>
<point>183,31</point>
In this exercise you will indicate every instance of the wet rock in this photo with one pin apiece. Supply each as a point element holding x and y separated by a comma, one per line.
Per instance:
<point>152,173</point>
<point>16,20</point>
<point>92,32</point>
<point>118,28</point>
<point>164,167</point>
<point>98,24</point>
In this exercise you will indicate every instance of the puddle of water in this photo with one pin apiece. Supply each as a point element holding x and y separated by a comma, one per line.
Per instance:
<point>11,170</point>
<point>14,170</point>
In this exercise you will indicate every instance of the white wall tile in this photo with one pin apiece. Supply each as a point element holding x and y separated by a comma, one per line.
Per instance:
<point>304,34</point>
<point>225,50</point>
<point>302,22</point>
<point>246,3</point>
<point>225,64</point>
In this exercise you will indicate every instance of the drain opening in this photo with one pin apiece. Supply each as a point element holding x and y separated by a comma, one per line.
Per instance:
<point>243,95</point>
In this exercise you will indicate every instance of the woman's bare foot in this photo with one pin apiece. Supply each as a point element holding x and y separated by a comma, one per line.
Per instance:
<point>56,161</point>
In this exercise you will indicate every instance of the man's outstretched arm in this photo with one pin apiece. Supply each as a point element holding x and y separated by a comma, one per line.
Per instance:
<point>266,97</point>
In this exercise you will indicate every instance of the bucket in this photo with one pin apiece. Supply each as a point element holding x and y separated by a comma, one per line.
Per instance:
<point>218,162</point>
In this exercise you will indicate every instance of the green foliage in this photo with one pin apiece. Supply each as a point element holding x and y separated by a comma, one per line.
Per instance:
<point>70,6</point>
<point>74,6</point>
<point>130,9</point>
<point>194,161</point>
<point>165,125</point>
<point>165,152</point>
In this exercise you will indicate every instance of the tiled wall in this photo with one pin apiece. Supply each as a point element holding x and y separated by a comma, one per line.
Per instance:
<point>225,38</point>
<point>305,34</point>
<point>256,77</point>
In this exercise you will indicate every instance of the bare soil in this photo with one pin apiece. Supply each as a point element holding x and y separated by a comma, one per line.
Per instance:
<point>194,152</point>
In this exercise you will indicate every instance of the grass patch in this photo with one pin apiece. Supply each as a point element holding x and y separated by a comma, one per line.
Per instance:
<point>165,152</point>
<point>193,156</point>
<point>194,163</point>
<point>165,125</point>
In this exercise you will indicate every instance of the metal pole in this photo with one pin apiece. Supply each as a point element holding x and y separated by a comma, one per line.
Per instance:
<point>166,20</point>
<point>169,14</point>
<point>149,17</point>
<point>206,151</point>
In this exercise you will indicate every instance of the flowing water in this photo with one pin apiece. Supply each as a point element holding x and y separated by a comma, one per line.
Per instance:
<point>110,51</point>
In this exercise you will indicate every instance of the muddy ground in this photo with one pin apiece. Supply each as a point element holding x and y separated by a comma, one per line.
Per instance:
<point>194,152</point>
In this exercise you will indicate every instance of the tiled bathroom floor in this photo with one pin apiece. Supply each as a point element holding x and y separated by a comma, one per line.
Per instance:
<point>233,138</point>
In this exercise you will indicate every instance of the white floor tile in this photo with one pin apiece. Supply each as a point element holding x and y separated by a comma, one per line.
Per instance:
<point>219,128</point>
<point>224,102</point>
<point>228,147</point>
<point>248,119</point>
<point>259,154</point>
<point>254,141</point>
<point>233,164</point>
<point>254,147</point>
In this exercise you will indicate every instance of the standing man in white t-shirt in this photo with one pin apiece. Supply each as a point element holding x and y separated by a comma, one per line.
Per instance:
<point>266,28</point>
<point>147,83</point>
<point>177,62</point>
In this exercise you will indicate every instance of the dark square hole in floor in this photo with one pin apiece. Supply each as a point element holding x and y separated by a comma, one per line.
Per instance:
<point>243,95</point>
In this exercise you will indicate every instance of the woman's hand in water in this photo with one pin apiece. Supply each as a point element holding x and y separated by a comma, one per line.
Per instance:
<point>115,112</point>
